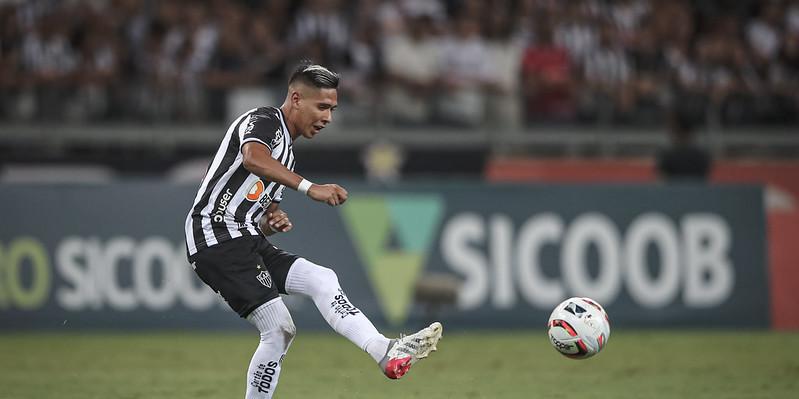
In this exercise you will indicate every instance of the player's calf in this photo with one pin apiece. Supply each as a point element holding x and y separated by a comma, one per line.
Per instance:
<point>277,331</point>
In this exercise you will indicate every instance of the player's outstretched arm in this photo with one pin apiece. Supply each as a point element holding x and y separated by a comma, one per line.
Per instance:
<point>257,159</point>
<point>331,194</point>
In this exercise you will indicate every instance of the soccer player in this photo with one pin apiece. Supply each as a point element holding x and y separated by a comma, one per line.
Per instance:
<point>237,207</point>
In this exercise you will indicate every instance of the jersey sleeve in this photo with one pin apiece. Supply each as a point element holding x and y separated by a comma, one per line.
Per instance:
<point>262,128</point>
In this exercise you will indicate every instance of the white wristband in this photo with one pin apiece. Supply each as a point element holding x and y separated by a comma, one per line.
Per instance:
<point>304,186</point>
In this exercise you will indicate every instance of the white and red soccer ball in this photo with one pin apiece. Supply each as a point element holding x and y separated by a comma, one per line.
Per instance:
<point>579,328</point>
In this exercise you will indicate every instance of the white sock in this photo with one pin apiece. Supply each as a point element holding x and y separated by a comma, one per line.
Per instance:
<point>322,286</point>
<point>378,348</point>
<point>277,332</point>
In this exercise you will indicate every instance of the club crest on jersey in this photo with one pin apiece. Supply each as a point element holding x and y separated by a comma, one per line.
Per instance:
<point>264,278</point>
<point>255,191</point>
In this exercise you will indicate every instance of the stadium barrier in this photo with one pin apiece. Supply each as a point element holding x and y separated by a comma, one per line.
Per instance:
<point>780,179</point>
<point>112,256</point>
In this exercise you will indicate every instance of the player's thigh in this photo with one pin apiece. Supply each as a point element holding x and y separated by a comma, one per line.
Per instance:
<point>278,262</point>
<point>236,270</point>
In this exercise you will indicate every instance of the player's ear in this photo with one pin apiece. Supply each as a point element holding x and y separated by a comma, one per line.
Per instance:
<point>295,98</point>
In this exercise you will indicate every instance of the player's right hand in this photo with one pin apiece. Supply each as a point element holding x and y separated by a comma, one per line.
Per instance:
<point>331,194</point>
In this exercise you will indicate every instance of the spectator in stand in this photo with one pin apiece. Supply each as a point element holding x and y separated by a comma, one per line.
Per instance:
<point>464,73</point>
<point>233,65</point>
<point>773,43</point>
<point>147,59</point>
<point>649,76</point>
<point>199,42</point>
<point>782,82</point>
<point>505,47</point>
<point>475,9</point>
<point>628,15</point>
<point>361,90</point>
<point>11,75</point>
<point>156,72</point>
<point>607,73</point>
<point>721,66</point>
<point>575,30</point>
<point>409,86</point>
<point>764,32</point>
<point>792,18</point>
<point>97,72</point>
<point>50,62</point>
<point>672,22</point>
<point>391,14</point>
<point>265,52</point>
<point>547,74</point>
<point>321,28</point>
<point>277,15</point>
<point>159,64</point>
<point>133,19</point>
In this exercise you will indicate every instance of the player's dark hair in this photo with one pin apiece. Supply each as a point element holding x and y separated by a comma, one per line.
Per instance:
<point>314,75</point>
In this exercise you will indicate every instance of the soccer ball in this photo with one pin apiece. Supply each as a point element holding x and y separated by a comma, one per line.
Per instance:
<point>579,328</point>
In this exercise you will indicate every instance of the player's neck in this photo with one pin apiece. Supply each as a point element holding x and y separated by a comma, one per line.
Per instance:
<point>293,131</point>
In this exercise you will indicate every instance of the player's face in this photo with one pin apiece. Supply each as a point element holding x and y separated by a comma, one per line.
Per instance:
<point>316,110</point>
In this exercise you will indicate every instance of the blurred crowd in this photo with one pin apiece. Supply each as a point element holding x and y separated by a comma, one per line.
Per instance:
<point>499,63</point>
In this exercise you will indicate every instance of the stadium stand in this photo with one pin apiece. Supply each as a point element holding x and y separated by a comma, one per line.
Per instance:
<point>583,77</point>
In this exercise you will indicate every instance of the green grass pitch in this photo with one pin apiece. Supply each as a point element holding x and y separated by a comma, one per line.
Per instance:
<point>177,365</point>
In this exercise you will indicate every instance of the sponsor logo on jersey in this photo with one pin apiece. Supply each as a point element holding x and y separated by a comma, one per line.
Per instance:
<point>265,201</point>
<point>219,213</point>
<point>278,138</point>
<point>255,191</point>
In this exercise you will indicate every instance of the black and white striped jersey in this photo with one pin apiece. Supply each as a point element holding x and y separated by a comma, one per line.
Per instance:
<point>231,199</point>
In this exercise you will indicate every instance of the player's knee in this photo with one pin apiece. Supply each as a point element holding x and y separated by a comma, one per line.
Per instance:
<point>273,321</point>
<point>285,332</point>
<point>289,329</point>
<point>325,280</point>
<point>284,329</point>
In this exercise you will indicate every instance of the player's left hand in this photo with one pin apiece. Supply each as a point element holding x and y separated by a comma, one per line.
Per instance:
<point>278,221</point>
